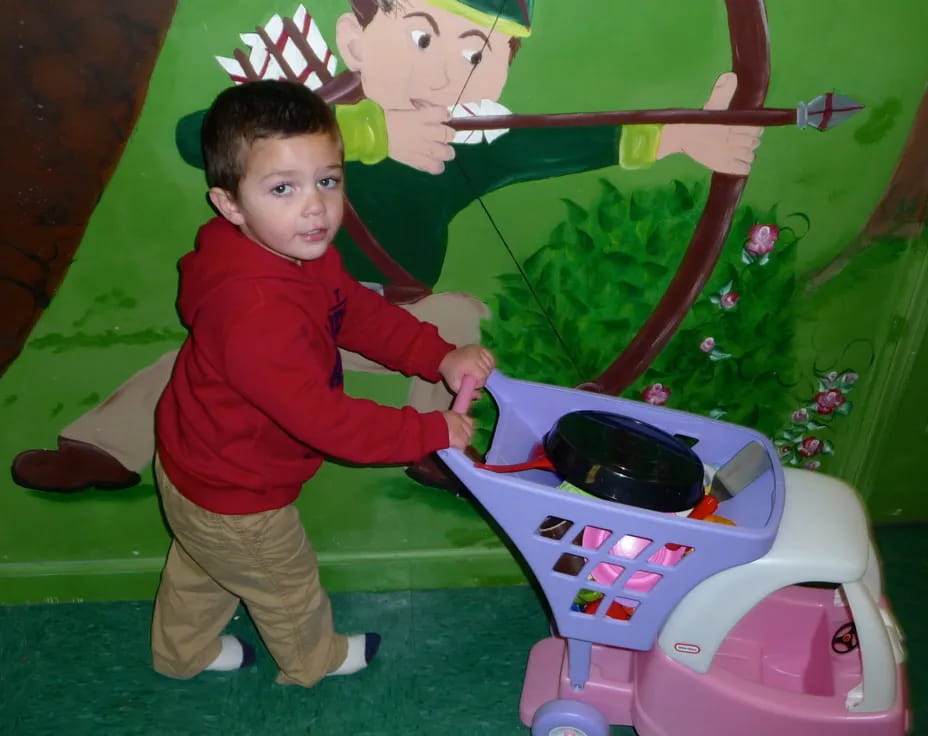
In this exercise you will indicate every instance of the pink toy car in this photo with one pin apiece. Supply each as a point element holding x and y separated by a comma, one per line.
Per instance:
<point>775,625</point>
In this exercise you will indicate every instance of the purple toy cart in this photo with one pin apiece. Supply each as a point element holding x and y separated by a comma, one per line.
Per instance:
<point>552,530</point>
<point>527,503</point>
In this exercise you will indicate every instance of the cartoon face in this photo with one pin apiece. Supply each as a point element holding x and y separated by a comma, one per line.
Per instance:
<point>418,51</point>
<point>291,199</point>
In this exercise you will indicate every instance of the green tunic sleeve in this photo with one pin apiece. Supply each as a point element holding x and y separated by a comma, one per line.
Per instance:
<point>409,211</point>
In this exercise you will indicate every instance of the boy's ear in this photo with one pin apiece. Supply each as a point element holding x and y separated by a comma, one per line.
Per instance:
<point>348,34</point>
<point>224,202</point>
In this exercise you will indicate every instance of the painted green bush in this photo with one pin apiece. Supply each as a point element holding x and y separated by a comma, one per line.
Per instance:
<point>592,285</point>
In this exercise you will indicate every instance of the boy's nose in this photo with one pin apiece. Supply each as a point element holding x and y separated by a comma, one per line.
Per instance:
<point>313,205</point>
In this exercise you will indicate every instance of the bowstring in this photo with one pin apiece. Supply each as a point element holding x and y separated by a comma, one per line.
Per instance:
<point>473,190</point>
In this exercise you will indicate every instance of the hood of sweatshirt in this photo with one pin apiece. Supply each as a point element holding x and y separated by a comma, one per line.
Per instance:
<point>223,254</point>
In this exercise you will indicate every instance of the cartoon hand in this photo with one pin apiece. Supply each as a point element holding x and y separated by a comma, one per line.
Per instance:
<point>418,137</point>
<point>728,149</point>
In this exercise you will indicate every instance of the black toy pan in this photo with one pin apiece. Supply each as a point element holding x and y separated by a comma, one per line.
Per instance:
<point>621,459</point>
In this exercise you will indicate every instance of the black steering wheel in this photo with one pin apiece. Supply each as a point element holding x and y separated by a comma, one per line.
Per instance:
<point>845,639</point>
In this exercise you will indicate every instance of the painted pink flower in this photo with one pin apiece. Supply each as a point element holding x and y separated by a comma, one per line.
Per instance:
<point>761,239</point>
<point>849,378</point>
<point>827,401</point>
<point>811,446</point>
<point>707,345</point>
<point>728,300</point>
<point>656,394</point>
<point>785,450</point>
<point>800,416</point>
<point>813,465</point>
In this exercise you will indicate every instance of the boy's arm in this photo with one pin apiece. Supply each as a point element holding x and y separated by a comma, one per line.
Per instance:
<point>290,371</point>
<point>389,335</point>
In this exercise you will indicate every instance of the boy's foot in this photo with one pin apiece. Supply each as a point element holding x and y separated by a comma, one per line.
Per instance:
<point>74,466</point>
<point>235,654</point>
<point>431,471</point>
<point>361,650</point>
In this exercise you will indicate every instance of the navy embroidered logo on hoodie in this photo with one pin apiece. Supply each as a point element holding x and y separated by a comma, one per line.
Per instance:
<point>336,317</point>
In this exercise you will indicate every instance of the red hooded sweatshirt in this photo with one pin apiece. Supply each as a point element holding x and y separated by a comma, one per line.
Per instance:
<point>256,399</point>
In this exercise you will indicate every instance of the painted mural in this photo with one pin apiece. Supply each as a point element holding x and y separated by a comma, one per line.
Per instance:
<point>408,64</point>
<point>608,196</point>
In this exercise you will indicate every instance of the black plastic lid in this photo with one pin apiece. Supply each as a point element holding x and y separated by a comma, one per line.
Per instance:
<point>622,459</point>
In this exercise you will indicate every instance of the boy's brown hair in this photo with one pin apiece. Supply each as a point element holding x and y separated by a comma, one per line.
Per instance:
<point>242,114</point>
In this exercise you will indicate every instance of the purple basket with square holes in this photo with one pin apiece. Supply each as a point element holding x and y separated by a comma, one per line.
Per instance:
<point>546,523</point>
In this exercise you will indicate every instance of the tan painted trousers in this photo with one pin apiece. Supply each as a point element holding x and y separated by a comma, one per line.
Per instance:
<point>266,561</point>
<point>124,426</point>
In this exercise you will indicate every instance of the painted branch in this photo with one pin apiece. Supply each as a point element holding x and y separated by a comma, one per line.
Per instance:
<point>762,117</point>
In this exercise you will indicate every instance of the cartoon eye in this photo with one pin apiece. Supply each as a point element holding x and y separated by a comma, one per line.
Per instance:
<point>473,56</point>
<point>421,39</point>
<point>282,189</point>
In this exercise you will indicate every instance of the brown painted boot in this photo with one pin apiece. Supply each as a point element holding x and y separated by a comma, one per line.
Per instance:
<point>74,466</point>
<point>431,471</point>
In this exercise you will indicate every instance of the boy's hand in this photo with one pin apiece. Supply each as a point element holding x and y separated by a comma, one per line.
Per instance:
<point>460,429</point>
<point>471,360</point>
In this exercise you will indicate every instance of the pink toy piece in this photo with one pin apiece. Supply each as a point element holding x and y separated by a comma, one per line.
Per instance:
<point>629,547</point>
<point>465,394</point>
<point>775,674</point>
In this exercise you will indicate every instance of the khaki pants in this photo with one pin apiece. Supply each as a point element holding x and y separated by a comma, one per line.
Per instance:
<point>266,561</point>
<point>124,424</point>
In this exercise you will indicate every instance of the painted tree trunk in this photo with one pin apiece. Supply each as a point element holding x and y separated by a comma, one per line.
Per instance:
<point>902,210</point>
<point>76,74</point>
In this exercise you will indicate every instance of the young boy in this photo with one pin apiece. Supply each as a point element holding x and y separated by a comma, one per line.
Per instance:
<point>256,401</point>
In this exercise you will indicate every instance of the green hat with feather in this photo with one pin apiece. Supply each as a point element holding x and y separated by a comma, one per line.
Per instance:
<point>512,17</point>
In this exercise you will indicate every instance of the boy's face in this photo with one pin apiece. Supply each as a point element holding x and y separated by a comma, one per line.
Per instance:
<point>291,198</point>
<point>418,51</point>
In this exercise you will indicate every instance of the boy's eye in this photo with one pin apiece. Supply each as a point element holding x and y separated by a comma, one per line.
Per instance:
<point>421,39</point>
<point>472,56</point>
<point>329,182</point>
<point>282,189</point>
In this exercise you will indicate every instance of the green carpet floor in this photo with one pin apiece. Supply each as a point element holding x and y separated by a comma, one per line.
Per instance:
<point>451,663</point>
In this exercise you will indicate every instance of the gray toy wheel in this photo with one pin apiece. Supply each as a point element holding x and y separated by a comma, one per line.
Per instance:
<point>569,718</point>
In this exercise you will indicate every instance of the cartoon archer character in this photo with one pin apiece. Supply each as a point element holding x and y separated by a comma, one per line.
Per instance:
<point>409,62</point>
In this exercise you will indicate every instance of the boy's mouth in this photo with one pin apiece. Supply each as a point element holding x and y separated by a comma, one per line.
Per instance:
<point>314,236</point>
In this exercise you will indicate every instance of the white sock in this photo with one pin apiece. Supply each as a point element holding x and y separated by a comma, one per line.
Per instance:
<point>361,650</point>
<point>234,655</point>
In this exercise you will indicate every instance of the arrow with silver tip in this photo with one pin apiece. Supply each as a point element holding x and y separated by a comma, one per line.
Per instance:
<point>826,111</point>
<point>823,113</point>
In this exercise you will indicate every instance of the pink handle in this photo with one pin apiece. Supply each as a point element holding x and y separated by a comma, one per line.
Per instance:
<point>465,394</point>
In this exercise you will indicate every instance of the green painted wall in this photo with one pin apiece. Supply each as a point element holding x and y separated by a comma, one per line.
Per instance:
<point>375,529</point>
<point>895,467</point>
